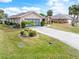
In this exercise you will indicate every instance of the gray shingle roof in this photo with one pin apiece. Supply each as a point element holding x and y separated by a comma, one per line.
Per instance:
<point>62,16</point>
<point>24,13</point>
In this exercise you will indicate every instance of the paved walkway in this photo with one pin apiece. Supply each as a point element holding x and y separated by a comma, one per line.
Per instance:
<point>66,37</point>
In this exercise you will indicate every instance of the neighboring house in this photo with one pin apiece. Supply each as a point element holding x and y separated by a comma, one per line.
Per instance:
<point>60,18</point>
<point>27,16</point>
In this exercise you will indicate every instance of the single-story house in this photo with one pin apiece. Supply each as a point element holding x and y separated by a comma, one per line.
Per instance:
<point>27,16</point>
<point>60,18</point>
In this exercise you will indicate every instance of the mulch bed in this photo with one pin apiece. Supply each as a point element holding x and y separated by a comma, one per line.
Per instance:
<point>20,36</point>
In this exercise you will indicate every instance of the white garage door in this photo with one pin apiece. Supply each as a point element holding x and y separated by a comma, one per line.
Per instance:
<point>37,22</point>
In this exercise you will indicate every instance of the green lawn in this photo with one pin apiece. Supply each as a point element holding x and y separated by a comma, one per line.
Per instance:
<point>65,27</point>
<point>34,48</point>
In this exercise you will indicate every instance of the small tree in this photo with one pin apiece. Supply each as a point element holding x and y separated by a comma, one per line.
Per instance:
<point>42,23</point>
<point>23,24</point>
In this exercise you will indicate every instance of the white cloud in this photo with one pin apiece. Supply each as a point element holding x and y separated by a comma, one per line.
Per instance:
<point>66,0</point>
<point>78,0</point>
<point>16,10</point>
<point>58,6</point>
<point>51,2</point>
<point>5,0</point>
<point>30,9</point>
<point>11,10</point>
<point>59,9</point>
<point>61,6</point>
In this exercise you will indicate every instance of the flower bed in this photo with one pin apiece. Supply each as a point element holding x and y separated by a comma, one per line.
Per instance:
<point>28,33</point>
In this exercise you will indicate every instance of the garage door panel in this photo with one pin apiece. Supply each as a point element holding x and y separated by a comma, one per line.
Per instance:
<point>36,21</point>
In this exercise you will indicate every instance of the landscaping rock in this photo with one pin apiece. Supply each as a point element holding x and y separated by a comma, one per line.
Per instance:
<point>21,45</point>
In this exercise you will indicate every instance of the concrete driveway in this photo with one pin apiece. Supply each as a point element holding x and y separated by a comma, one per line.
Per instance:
<point>66,37</point>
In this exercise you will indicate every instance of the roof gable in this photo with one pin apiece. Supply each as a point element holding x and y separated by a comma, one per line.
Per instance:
<point>26,13</point>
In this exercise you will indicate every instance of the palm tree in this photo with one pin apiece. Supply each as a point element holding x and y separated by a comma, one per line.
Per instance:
<point>74,11</point>
<point>49,14</point>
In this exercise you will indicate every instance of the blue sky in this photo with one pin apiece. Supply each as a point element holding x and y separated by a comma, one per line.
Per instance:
<point>12,7</point>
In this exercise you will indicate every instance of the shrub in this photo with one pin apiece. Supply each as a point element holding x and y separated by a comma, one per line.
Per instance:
<point>27,23</point>
<point>10,23</point>
<point>42,23</point>
<point>6,22</point>
<point>32,33</point>
<point>16,25</point>
<point>22,33</point>
<point>26,33</point>
<point>23,24</point>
